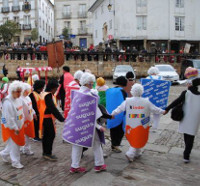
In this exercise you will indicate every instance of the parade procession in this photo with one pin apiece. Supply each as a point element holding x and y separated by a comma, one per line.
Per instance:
<point>99,93</point>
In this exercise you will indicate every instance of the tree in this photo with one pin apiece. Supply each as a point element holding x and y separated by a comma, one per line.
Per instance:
<point>8,30</point>
<point>34,34</point>
<point>65,33</point>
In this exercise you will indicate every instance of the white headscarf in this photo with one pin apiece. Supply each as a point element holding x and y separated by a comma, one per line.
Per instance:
<point>26,86</point>
<point>137,90</point>
<point>15,85</point>
<point>153,70</point>
<point>87,78</point>
<point>78,74</point>
<point>35,77</point>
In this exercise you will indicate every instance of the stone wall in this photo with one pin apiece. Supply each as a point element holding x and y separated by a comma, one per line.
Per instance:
<point>98,68</point>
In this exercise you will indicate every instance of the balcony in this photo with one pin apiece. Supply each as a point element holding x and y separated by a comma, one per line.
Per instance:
<point>82,31</point>
<point>67,15</point>
<point>5,9</point>
<point>27,27</point>
<point>26,7</point>
<point>82,14</point>
<point>15,8</point>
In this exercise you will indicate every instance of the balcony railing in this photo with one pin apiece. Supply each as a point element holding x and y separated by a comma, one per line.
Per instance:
<point>67,15</point>
<point>15,8</point>
<point>5,9</point>
<point>82,30</point>
<point>82,14</point>
<point>27,27</point>
<point>26,7</point>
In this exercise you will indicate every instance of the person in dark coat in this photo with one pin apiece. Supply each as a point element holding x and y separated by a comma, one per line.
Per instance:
<point>38,87</point>
<point>5,70</point>
<point>48,123</point>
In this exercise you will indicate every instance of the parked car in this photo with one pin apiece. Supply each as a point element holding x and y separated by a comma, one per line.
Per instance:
<point>189,63</point>
<point>121,70</point>
<point>168,73</point>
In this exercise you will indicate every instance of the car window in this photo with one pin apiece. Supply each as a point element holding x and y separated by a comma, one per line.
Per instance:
<point>165,68</point>
<point>196,64</point>
<point>123,69</point>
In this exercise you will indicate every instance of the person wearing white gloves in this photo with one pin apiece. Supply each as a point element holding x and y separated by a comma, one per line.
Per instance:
<point>13,125</point>
<point>29,114</point>
<point>87,80</point>
<point>138,112</point>
<point>153,74</point>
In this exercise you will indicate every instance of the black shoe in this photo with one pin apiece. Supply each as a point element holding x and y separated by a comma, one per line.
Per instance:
<point>37,139</point>
<point>50,157</point>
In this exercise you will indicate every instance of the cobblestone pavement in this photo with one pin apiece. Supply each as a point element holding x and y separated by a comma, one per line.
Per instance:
<point>161,163</point>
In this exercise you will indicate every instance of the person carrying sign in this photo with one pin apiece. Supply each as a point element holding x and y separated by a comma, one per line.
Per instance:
<point>153,74</point>
<point>114,97</point>
<point>48,114</point>
<point>138,111</point>
<point>13,125</point>
<point>87,80</point>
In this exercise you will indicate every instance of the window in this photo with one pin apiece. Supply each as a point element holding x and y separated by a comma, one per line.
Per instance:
<point>43,7</point>
<point>95,15</point>
<point>43,25</point>
<point>82,9</point>
<point>67,9</point>
<point>83,24</point>
<point>96,33</point>
<point>67,24</point>
<point>141,3</point>
<point>5,3</point>
<point>46,28</point>
<point>5,19</point>
<point>27,20</point>
<point>15,2</point>
<point>101,9</point>
<point>141,22</point>
<point>179,23</point>
<point>179,3</point>
<point>110,24</point>
<point>40,22</point>
<point>16,19</point>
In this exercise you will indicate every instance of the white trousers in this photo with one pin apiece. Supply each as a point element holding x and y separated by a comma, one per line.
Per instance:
<point>97,150</point>
<point>133,152</point>
<point>156,121</point>
<point>27,147</point>
<point>13,150</point>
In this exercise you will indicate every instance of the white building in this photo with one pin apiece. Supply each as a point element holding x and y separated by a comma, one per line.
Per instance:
<point>30,14</point>
<point>168,23</point>
<point>75,17</point>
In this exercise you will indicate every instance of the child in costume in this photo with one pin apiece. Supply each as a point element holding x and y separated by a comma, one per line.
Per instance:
<point>153,74</point>
<point>38,87</point>
<point>48,114</point>
<point>29,114</point>
<point>138,111</point>
<point>13,125</point>
<point>87,80</point>
<point>4,87</point>
<point>102,87</point>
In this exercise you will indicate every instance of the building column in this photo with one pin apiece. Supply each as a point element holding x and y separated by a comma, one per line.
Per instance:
<point>169,45</point>
<point>145,44</point>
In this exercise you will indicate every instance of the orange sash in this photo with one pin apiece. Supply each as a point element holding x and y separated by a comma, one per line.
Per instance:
<point>29,128</point>
<point>8,133</point>
<point>42,111</point>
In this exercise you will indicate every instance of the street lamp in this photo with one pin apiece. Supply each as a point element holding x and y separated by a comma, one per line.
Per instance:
<point>109,7</point>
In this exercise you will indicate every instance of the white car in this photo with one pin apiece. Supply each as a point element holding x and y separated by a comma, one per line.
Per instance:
<point>121,70</point>
<point>168,73</point>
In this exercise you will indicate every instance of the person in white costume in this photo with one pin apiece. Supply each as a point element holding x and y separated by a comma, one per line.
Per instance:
<point>77,76</point>
<point>87,80</point>
<point>189,125</point>
<point>12,122</point>
<point>153,74</point>
<point>29,114</point>
<point>142,106</point>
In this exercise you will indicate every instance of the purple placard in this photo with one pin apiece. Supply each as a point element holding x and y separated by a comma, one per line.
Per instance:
<point>79,126</point>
